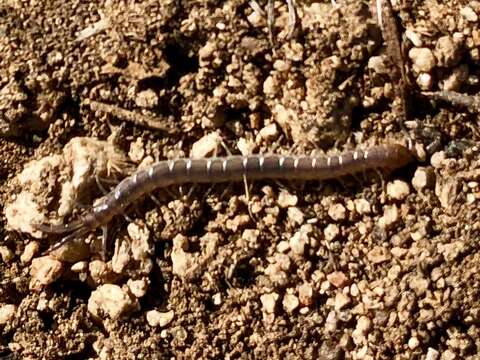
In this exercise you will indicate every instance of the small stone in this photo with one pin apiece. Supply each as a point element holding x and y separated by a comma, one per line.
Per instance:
<point>44,271</point>
<point>270,86</point>
<point>424,178</point>
<point>341,301</point>
<point>364,324</point>
<point>331,322</point>
<point>111,300</point>
<point>448,51</point>
<point>362,206</point>
<point>98,271</point>
<point>398,190</point>
<point>390,217</point>
<point>300,239</point>
<point>413,343</point>
<point>378,65</point>
<point>147,99</point>
<point>159,319</point>
<point>295,215</point>
<point>207,146</point>
<point>138,287</point>
<point>283,246</point>
<point>419,285</point>
<point>246,147</point>
<point>414,37</point>
<point>182,262</point>
<point>7,313</point>
<point>337,212</point>
<point>285,199</point>
<point>448,355</point>
<point>378,255</point>
<point>337,279</point>
<point>290,303</point>
<point>269,302</point>
<point>468,14</point>
<point>80,266</point>
<point>425,81</point>
<point>438,159</point>
<point>331,232</point>
<point>432,354</point>
<point>269,132</point>
<point>456,79</point>
<point>305,294</point>
<point>31,249</point>
<point>6,254</point>
<point>423,59</point>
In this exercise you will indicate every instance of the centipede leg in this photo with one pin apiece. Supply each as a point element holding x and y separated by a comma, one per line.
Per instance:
<point>67,239</point>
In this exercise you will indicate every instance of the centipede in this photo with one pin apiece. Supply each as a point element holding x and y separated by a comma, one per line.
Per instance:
<point>227,169</point>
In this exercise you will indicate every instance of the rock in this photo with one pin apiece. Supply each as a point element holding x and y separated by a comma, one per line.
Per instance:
<point>161,319</point>
<point>337,279</point>
<point>364,324</point>
<point>331,232</point>
<point>295,215</point>
<point>337,212</point>
<point>31,249</point>
<point>182,262</point>
<point>424,178</point>
<point>419,285</point>
<point>414,37</point>
<point>378,255</point>
<point>448,51</point>
<point>398,190</point>
<point>341,301</point>
<point>290,303</point>
<point>44,271</point>
<point>425,81</point>
<point>112,301</point>
<point>390,217</point>
<point>432,354</point>
<point>147,99</point>
<point>413,343</point>
<point>300,239</point>
<point>7,313</point>
<point>362,206</point>
<point>269,132</point>
<point>207,146</point>
<point>423,59</point>
<point>6,254</point>
<point>305,294</point>
<point>269,302</point>
<point>468,14</point>
<point>138,287</point>
<point>285,199</point>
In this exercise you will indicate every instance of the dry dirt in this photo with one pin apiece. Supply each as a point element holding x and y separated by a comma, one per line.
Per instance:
<point>350,269</point>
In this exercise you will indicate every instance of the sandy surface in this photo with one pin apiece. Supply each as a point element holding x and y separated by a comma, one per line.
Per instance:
<point>350,269</point>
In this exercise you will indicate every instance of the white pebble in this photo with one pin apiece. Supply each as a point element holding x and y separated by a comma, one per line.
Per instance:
<point>398,189</point>
<point>423,59</point>
<point>156,318</point>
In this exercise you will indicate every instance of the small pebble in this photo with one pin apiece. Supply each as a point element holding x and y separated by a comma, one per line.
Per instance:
<point>425,81</point>
<point>414,37</point>
<point>341,301</point>
<point>300,239</point>
<point>207,146</point>
<point>362,206</point>
<point>31,249</point>
<point>269,302</point>
<point>398,190</point>
<point>448,52</point>
<point>413,343</point>
<point>138,287</point>
<point>437,159</point>
<point>111,300</point>
<point>161,319</point>
<point>6,254</point>
<point>390,217</point>
<point>337,279</point>
<point>147,99</point>
<point>295,215</point>
<point>378,255</point>
<point>305,294</point>
<point>432,354</point>
<point>290,303</point>
<point>337,212</point>
<point>331,232</point>
<point>424,178</point>
<point>44,271</point>
<point>269,132</point>
<point>423,59</point>
<point>468,13</point>
<point>285,199</point>
<point>7,313</point>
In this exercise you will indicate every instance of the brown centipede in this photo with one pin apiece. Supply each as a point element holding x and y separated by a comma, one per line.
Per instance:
<point>227,169</point>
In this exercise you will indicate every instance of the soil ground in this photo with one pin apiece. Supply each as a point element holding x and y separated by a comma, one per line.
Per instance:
<point>355,268</point>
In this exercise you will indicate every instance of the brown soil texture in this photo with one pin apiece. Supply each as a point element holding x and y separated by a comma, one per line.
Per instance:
<point>364,267</point>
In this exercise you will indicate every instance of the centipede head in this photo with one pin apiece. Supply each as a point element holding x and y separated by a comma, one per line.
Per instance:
<point>72,231</point>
